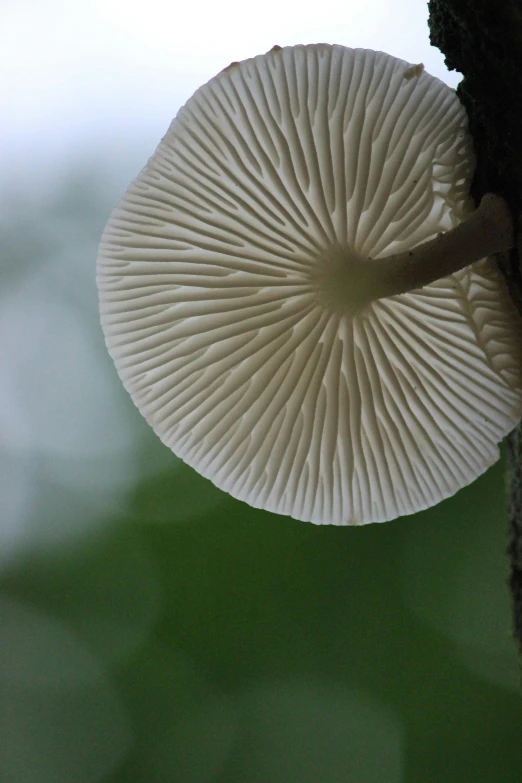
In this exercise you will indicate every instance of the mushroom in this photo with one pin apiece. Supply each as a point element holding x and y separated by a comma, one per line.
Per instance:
<point>296,291</point>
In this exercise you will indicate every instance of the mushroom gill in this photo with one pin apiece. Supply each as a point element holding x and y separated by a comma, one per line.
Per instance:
<point>238,298</point>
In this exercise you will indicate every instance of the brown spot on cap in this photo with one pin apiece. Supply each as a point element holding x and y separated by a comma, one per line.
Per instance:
<point>415,70</point>
<point>229,66</point>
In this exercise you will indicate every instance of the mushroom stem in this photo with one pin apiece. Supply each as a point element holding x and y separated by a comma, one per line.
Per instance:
<point>487,231</point>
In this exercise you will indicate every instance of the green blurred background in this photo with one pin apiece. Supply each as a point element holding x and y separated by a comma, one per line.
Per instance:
<point>152,629</point>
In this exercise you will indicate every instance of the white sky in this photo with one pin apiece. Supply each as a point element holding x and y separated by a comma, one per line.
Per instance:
<point>118,70</point>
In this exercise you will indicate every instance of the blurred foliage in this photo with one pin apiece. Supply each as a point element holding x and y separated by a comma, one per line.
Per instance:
<point>154,629</point>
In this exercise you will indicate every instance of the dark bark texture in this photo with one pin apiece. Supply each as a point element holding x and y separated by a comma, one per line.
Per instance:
<point>483,40</point>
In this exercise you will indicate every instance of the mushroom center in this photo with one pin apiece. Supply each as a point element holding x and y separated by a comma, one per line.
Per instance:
<point>343,280</point>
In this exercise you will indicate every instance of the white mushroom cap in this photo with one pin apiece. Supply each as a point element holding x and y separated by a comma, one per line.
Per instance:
<point>231,308</point>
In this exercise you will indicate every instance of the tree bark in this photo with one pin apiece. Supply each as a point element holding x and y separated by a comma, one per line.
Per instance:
<point>483,40</point>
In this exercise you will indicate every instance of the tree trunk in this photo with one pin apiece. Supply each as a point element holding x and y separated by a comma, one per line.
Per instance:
<point>483,40</point>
